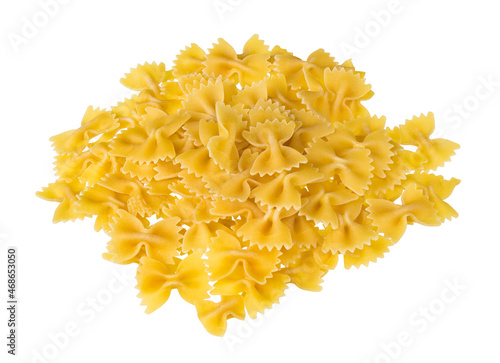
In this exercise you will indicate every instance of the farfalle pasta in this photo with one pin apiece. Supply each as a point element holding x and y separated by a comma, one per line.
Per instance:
<point>232,175</point>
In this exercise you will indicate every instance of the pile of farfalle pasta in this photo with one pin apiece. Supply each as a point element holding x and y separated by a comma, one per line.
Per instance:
<point>233,175</point>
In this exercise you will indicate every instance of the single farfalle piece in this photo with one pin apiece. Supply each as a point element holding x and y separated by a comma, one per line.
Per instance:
<point>284,191</point>
<point>222,147</point>
<point>226,254</point>
<point>267,230</point>
<point>232,175</point>
<point>257,297</point>
<point>269,136</point>
<point>150,143</point>
<point>189,61</point>
<point>320,202</point>
<point>146,76</point>
<point>223,60</point>
<point>95,122</point>
<point>156,280</point>
<point>90,165</point>
<point>214,315</point>
<point>340,99</point>
<point>437,189</point>
<point>352,165</point>
<point>65,193</point>
<point>352,232</point>
<point>306,74</point>
<point>417,132</point>
<point>391,219</point>
<point>131,240</point>
<point>306,272</point>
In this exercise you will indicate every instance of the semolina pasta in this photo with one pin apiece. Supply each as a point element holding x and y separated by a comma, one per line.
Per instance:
<point>232,175</point>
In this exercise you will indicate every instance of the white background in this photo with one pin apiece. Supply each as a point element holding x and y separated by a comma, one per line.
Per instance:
<point>429,56</point>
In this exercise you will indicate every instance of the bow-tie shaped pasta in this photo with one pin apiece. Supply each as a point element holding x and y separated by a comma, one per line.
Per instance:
<point>278,90</point>
<point>320,204</point>
<point>201,101</point>
<point>222,147</point>
<point>268,230</point>
<point>226,255</point>
<point>214,315</point>
<point>131,240</point>
<point>284,191</point>
<point>417,132</point>
<point>232,175</point>
<point>147,76</point>
<point>305,74</point>
<point>437,189</point>
<point>233,186</point>
<point>275,157</point>
<point>257,297</point>
<point>95,122</point>
<point>223,60</point>
<point>352,232</point>
<point>189,61</point>
<point>312,128</point>
<point>391,219</point>
<point>156,280</point>
<point>91,165</point>
<point>65,193</point>
<point>152,142</point>
<point>306,272</point>
<point>339,100</point>
<point>352,165</point>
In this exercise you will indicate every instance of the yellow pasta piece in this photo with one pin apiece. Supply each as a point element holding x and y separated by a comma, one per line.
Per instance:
<point>156,280</point>
<point>214,315</point>
<point>352,232</point>
<point>352,165</point>
<point>95,122</point>
<point>147,76</point>
<point>279,91</point>
<point>337,101</point>
<point>257,297</point>
<point>223,60</point>
<point>305,272</point>
<point>275,157</point>
<point>417,132</point>
<point>369,253</point>
<point>232,175</point>
<point>189,61</point>
<point>437,189</point>
<point>269,230</point>
<point>222,147</point>
<point>392,219</point>
<point>65,193</point>
<point>249,96</point>
<point>131,240</point>
<point>284,191</point>
<point>226,254</point>
<point>198,236</point>
<point>320,202</point>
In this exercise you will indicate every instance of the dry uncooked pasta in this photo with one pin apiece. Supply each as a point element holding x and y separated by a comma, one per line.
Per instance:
<point>232,175</point>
